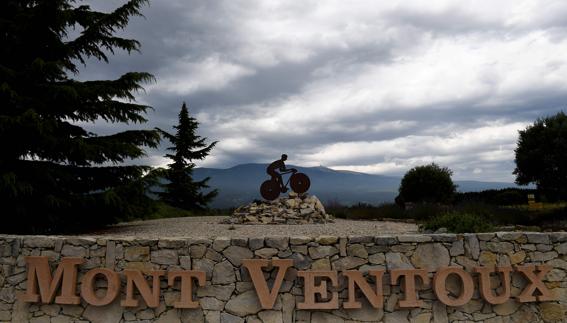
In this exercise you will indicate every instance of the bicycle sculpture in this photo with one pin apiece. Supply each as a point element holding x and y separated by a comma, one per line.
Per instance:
<point>272,188</point>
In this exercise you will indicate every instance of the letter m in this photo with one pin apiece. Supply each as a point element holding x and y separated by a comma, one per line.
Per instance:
<point>39,277</point>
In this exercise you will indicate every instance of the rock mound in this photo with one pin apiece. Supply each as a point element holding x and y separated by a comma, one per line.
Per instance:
<point>294,209</point>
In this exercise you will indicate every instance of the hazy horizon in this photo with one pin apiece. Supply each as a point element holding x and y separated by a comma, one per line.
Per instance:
<point>351,171</point>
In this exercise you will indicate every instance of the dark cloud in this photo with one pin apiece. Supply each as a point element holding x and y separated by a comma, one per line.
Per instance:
<point>376,87</point>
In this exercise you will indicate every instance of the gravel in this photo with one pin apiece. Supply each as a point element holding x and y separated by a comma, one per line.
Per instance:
<point>209,227</point>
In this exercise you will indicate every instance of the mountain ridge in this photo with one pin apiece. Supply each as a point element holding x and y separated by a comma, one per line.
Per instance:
<point>240,184</point>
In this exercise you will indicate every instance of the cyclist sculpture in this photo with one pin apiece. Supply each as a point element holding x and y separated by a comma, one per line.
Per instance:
<point>272,188</point>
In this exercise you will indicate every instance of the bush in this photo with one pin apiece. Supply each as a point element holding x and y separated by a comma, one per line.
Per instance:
<point>459,223</point>
<point>554,218</point>
<point>427,184</point>
<point>335,208</point>
<point>498,215</point>
<point>421,212</point>
<point>363,211</point>
<point>506,196</point>
<point>164,210</point>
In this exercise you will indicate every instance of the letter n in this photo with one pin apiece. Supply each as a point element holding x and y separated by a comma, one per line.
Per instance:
<point>375,298</point>
<point>149,294</point>
<point>39,276</point>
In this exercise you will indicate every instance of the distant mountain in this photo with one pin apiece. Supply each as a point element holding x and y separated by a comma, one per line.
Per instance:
<point>241,184</point>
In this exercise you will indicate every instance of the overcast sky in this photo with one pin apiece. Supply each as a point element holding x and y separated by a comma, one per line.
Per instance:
<point>370,86</point>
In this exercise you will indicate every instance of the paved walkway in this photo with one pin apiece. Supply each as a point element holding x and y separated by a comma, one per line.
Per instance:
<point>209,227</point>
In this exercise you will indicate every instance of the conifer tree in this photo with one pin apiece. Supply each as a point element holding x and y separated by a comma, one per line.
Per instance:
<point>181,190</point>
<point>53,173</point>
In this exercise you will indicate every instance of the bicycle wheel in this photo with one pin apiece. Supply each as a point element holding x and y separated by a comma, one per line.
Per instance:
<point>299,183</point>
<point>270,190</point>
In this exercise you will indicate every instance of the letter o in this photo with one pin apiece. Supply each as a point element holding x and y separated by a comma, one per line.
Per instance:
<point>112,290</point>
<point>439,284</point>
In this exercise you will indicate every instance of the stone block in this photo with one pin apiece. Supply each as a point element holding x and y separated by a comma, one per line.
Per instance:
<point>414,238</point>
<point>385,241</point>
<point>137,253</point>
<point>280,243</point>
<point>235,254</point>
<point>430,256</point>
<point>321,264</point>
<point>271,316</point>
<point>165,257</point>
<point>348,262</point>
<point>223,273</point>
<point>73,251</point>
<point>255,243</point>
<point>298,240</point>
<point>219,244</point>
<point>39,242</point>
<point>322,251</point>
<point>357,250</point>
<point>535,237</point>
<point>244,304</point>
<point>326,240</point>
<point>171,243</point>
<point>266,253</point>
<point>220,292</point>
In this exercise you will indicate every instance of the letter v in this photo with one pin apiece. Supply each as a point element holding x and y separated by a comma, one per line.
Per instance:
<point>267,298</point>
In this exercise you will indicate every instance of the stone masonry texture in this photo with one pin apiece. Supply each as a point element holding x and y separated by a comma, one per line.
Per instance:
<point>229,295</point>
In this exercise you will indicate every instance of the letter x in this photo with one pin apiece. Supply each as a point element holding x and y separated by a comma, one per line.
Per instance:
<point>535,283</point>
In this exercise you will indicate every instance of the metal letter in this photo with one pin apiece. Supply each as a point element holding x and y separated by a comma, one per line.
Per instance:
<point>186,277</point>
<point>535,282</point>
<point>310,290</point>
<point>408,286</point>
<point>88,285</point>
<point>150,295</point>
<point>376,299</point>
<point>267,298</point>
<point>39,275</point>
<point>486,289</point>
<point>439,286</point>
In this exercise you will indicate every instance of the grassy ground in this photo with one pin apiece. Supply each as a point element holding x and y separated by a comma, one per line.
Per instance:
<point>539,206</point>
<point>464,217</point>
<point>459,218</point>
<point>164,210</point>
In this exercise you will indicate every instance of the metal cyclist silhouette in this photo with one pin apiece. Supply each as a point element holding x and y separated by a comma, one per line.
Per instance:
<point>272,188</point>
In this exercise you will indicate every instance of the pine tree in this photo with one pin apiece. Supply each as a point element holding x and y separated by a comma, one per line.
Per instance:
<point>53,173</point>
<point>181,190</point>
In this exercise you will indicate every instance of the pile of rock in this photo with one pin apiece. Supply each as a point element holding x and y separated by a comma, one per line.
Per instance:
<point>294,209</point>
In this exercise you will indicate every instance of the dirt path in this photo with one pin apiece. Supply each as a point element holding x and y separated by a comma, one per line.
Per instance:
<point>209,227</point>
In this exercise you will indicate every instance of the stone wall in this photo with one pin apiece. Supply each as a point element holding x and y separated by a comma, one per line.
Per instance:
<point>230,297</point>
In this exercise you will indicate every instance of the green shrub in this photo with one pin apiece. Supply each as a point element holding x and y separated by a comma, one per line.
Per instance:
<point>363,211</point>
<point>391,211</point>
<point>370,212</point>
<point>459,223</point>
<point>552,218</point>
<point>335,208</point>
<point>498,215</point>
<point>506,196</point>
<point>165,210</point>
<point>424,211</point>
<point>427,184</point>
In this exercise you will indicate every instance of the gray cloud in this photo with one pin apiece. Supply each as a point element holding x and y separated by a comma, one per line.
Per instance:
<point>374,87</point>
